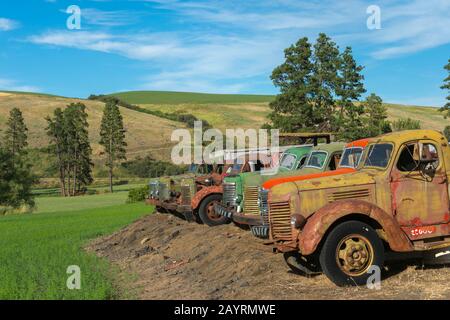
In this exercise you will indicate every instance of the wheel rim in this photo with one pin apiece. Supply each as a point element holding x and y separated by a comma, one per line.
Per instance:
<point>211,213</point>
<point>354,255</point>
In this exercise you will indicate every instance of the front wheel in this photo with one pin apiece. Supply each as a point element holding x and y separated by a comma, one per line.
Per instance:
<point>350,253</point>
<point>207,213</point>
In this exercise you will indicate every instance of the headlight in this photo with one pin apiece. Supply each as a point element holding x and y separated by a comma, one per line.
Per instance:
<point>298,221</point>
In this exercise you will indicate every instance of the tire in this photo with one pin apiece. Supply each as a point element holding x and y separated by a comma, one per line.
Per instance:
<point>437,257</point>
<point>307,266</point>
<point>349,252</point>
<point>207,214</point>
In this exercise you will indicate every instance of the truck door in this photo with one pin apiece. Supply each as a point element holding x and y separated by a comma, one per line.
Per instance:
<point>419,185</point>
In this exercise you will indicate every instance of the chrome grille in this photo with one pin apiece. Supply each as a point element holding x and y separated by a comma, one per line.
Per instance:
<point>263,205</point>
<point>163,192</point>
<point>153,187</point>
<point>280,220</point>
<point>185,195</point>
<point>251,200</point>
<point>229,193</point>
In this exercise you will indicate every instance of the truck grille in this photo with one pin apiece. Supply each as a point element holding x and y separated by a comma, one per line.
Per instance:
<point>186,195</point>
<point>263,205</point>
<point>229,194</point>
<point>163,192</point>
<point>280,220</point>
<point>251,200</point>
<point>153,187</point>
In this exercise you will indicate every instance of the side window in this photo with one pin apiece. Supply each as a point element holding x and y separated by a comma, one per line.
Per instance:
<point>219,168</point>
<point>406,161</point>
<point>301,163</point>
<point>418,156</point>
<point>334,161</point>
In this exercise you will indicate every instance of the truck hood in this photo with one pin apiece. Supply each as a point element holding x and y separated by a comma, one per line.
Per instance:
<point>340,178</point>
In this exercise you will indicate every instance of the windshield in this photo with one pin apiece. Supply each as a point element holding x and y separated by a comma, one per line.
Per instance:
<point>351,157</point>
<point>288,161</point>
<point>378,155</point>
<point>317,159</point>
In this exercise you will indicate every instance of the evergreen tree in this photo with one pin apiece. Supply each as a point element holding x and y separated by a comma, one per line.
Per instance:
<point>112,138</point>
<point>15,138</point>
<point>16,181</point>
<point>58,144</point>
<point>350,88</point>
<point>324,82</point>
<point>376,119</point>
<point>292,109</point>
<point>446,86</point>
<point>69,141</point>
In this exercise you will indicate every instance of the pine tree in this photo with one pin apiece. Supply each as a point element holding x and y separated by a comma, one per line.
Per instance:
<point>69,138</point>
<point>292,108</point>
<point>376,116</point>
<point>112,138</point>
<point>350,88</point>
<point>58,144</point>
<point>446,86</point>
<point>79,151</point>
<point>16,181</point>
<point>15,139</point>
<point>324,82</point>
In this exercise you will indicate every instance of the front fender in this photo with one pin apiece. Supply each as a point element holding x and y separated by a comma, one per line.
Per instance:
<point>320,222</point>
<point>204,192</point>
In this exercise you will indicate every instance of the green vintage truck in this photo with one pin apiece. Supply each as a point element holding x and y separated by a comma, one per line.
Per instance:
<point>240,192</point>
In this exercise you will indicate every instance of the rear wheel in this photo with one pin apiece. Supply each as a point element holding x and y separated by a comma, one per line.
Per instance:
<point>207,213</point>
<point>349,253</point>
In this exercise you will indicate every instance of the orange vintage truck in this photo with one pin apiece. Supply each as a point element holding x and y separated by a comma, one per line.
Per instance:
<point>397,201</point>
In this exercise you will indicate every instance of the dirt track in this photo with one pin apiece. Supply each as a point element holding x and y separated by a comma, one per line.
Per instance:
<point>174,259</point>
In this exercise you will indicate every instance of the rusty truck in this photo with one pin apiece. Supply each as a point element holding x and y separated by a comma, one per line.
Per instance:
<point>344,226</point>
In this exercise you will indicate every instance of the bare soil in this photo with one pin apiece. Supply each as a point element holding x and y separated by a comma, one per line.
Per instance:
<point>174,259</point>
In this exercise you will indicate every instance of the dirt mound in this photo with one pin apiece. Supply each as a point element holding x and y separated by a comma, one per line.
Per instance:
<point>174,259</point>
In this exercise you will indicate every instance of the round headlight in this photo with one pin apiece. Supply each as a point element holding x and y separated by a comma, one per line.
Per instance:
<point>298,221</point>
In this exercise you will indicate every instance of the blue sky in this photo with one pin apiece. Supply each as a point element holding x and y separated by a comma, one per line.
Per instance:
<point>222,46</point>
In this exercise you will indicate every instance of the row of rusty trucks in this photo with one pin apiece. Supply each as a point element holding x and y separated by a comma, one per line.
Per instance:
<point>342,209</point>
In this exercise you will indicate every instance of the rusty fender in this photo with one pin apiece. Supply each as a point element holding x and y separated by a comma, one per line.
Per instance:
<point>206,191</point>
<point>319,223</point>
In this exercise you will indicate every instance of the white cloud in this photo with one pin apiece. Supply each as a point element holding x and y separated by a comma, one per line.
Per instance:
<point>8,24</point>
<point>12,85</point>
<point>116,18</point>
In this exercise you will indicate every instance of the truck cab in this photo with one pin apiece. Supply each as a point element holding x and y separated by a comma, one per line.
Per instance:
<point>397,200</point>
<point>294,161</point>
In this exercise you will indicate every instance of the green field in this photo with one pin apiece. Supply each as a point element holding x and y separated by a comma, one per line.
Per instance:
<point>173,97</point>
<point>37,248</point>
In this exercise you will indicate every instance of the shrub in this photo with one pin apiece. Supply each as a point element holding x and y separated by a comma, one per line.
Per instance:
<point>138,194</point>
<point>405,124</point>
<point>447,132</point>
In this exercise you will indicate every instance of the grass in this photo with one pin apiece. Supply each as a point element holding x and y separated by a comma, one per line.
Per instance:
<point>67,204</point>
<point>36,249</point>
<point>173,97</point>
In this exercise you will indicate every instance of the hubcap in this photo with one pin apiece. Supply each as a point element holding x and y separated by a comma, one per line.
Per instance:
<point>354,255</point>
<point>211,212</point>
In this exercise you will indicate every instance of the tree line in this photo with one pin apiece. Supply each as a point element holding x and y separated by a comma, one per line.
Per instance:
<point>69,143</point>
<point>187,118</point>
<point>320,91</point>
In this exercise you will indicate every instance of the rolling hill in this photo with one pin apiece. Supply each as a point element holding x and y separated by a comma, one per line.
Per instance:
<point>147,133</point>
